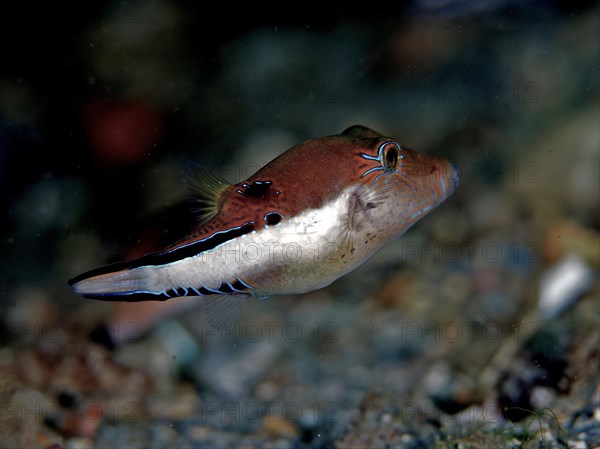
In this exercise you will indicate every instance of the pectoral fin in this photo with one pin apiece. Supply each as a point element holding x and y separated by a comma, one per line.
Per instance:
<point>208,190</point>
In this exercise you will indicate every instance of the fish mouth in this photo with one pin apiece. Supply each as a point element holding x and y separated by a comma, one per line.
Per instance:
<point>449,179</point>
<point>453,178</point>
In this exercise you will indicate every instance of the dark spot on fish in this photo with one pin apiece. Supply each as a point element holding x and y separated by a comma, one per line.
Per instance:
<point>204,291</point>
<point>258,189</point>
<point>272,218</point>
<point>239,286</point>
<point>225,288</point>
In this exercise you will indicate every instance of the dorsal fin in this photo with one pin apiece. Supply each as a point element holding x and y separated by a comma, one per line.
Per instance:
<point>208,189</point>
<point>361,131</point>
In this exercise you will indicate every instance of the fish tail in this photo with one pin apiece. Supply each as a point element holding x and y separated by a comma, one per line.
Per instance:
<point>120,284</point>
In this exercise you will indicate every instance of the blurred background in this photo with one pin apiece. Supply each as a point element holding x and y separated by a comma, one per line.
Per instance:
<point>478,328</point>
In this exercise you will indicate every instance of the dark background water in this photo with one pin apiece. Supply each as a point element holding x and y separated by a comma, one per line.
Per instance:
<point>103,104</point>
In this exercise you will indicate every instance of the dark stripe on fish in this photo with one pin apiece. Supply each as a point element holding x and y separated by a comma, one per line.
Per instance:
<point>236,287</point>
<point>175,255</point>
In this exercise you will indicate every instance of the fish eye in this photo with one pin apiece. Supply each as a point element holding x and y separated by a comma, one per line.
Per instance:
<point>390,156</point>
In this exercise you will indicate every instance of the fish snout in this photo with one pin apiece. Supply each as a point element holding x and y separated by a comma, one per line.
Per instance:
<point>452,178</point>
<point>443,180</point>
<point>434,177</point>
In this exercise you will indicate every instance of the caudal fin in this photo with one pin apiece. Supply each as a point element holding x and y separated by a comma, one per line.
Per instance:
<point>118,285</point>
<point>136,281</point>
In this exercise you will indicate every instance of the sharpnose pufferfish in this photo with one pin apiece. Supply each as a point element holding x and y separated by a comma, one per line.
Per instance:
<point>311,215</point>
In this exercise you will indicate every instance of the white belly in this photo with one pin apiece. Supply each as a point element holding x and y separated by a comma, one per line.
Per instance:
<point>300,254</point>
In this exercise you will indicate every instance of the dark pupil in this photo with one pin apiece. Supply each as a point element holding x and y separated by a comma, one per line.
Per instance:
<point>391,157</point>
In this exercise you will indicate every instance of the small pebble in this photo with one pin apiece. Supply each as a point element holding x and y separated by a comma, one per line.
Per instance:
<point>79,443</point>
<point>541,397</point>
<point>278,426</point>
<point>563,284</point>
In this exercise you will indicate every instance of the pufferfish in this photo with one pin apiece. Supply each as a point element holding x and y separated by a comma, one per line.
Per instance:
<point>313,214</point>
